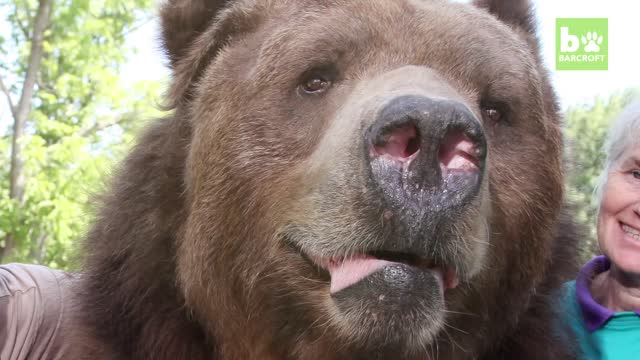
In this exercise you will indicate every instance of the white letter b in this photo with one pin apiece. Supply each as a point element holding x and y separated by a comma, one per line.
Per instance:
<point>568,42</point>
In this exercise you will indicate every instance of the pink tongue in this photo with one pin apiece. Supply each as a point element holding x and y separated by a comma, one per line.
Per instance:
<point>349,271</point>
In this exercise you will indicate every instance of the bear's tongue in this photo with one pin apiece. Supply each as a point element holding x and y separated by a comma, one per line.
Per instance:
<point>351,270</point>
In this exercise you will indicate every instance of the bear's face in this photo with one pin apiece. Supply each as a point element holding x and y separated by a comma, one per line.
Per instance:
<point>358,169</point>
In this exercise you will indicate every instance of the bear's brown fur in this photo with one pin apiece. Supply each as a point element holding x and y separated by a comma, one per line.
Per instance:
<point>210,244</point>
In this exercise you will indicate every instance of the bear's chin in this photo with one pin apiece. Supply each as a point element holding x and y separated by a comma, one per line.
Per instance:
<point>393,307</point>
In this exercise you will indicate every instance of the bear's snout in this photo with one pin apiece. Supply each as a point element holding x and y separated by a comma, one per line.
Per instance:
<point>424,151</point>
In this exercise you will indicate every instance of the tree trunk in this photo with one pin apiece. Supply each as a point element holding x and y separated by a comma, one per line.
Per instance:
<point>37,251</point>
<point>22,111</point>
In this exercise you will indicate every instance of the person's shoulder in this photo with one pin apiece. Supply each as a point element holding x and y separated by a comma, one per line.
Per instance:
<point>567,296</point>
<point>33,299</point>
<point>16,277</point>
<point>569,288</point>
<point>566,292</point>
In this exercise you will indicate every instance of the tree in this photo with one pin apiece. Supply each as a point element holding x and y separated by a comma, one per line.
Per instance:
<point>72,117</point>
<point>586,128</point>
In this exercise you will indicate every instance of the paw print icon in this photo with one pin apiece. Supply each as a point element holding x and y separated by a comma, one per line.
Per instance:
<point>592,42</point>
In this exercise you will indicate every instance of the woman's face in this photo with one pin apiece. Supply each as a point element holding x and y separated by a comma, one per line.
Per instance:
<point>619,219</point>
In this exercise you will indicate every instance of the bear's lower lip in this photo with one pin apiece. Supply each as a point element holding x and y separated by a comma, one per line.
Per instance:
<point>351,270</point>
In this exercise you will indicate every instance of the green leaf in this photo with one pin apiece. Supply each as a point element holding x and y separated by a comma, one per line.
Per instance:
<point>79,91</point>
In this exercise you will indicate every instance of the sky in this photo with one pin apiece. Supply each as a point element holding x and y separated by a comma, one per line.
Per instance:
<point>572,87</point>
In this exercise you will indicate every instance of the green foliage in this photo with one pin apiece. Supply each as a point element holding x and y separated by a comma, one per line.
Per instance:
<point>83,119</point>
<point>586,128</point>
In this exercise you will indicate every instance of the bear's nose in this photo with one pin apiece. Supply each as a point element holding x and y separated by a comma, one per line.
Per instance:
<point>420,144</point>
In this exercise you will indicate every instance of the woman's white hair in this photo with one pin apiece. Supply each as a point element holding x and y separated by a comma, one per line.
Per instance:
<point>623,134</point>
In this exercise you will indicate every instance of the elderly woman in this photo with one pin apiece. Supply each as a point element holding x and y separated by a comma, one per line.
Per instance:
<point>603,303</point>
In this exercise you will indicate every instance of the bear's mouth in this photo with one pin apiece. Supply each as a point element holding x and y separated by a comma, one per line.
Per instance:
<point>347,271</point>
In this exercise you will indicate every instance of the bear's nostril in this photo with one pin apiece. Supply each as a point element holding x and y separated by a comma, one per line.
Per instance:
<point>399,143</point>
<point>458,152</point>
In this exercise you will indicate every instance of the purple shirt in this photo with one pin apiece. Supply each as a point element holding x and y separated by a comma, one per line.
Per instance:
<point>594,314</point>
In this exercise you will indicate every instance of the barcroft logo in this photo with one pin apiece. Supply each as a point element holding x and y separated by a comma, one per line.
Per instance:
<point>582,44</point>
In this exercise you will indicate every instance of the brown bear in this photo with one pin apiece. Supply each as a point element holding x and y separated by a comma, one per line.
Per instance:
<point>339,179</point>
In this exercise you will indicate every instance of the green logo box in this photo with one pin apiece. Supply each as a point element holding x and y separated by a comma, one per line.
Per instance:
<point>582,44</point>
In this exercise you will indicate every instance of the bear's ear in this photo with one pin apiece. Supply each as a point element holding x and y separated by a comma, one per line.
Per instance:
<point>519,15</point>
<point>515,13</point>
<point>183,21</point>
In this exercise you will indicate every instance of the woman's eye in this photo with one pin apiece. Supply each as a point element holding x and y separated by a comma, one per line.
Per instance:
<point>636,173</point>
<point>316,84</point>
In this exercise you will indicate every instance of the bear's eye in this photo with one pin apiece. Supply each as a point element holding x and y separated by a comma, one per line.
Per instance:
<point>317,80</point>
<point>316,84</point>
<point>493,113</point>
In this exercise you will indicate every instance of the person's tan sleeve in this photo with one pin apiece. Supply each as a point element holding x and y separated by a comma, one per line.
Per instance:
<point>31,312</point>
